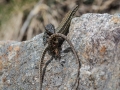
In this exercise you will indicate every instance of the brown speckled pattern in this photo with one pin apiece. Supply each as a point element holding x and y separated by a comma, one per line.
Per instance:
<point>96,40</point>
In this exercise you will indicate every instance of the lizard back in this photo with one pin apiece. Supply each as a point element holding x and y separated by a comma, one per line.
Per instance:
<point>65,23</point>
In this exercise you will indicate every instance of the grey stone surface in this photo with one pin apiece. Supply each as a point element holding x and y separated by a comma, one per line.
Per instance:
<point>96,39</point>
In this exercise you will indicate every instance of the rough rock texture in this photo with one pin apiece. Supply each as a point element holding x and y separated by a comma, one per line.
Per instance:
<point>96,38</point>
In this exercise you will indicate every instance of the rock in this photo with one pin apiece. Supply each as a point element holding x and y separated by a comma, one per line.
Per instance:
<point>96,39</point>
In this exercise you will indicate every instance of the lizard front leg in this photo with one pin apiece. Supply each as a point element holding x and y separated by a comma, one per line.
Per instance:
<point>56,35</point>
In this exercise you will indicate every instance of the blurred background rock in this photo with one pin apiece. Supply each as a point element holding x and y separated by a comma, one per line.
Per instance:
<point>22,19</point>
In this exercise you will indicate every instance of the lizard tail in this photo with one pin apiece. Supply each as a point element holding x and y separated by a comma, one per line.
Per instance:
<point>74,52</point>
<point>40,68</point>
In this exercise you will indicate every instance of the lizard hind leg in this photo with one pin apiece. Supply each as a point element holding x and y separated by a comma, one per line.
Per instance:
<point>74,52</point>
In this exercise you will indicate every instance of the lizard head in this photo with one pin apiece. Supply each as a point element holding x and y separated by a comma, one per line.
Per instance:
<point>50,29</point>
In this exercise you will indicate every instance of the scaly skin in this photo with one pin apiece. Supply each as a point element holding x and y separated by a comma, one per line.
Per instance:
<point>63,29</point>
<point>40,66</point>
<point>64,25</point>
<point>73,50</point>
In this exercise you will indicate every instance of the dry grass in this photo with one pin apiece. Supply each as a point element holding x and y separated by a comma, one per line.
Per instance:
<point>49,11</point>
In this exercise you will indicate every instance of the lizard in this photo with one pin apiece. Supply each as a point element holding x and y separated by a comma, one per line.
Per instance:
<point>62,30</point>
<point>63,27</point>
<point>55,35</point>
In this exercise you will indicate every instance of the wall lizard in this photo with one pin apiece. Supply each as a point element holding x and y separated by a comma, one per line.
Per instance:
<point>50,34</point>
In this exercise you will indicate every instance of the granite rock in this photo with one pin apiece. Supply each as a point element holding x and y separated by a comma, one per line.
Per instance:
<point>96,40</point>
